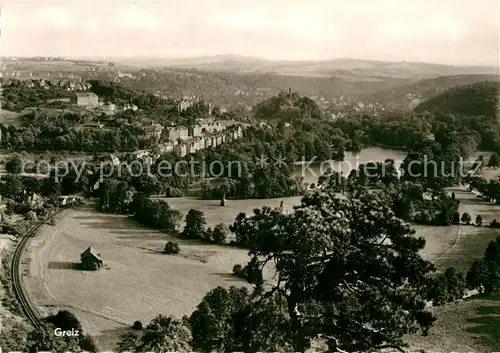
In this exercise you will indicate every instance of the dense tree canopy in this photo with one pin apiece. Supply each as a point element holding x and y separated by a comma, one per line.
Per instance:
<point>475,99</point>
<point>333,257</point>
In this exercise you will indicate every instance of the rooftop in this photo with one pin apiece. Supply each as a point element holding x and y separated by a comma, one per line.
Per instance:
<point>91,251</point>
<point>85,94</point>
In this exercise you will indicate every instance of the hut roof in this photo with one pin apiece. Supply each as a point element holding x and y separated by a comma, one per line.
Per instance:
<point>91,252</point>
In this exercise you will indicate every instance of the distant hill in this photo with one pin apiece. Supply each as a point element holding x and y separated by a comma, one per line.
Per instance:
<point>350,69</point>
<point>229,88</point>
<point>417,92</point>
<point>286,107</point>
<point>479,98</point>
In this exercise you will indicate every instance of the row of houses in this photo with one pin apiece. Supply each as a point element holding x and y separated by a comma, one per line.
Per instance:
<point>69,85</point>
<point>183,133</point>
<point>192,144</point>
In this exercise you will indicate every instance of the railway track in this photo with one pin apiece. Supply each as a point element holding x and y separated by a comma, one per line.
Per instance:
<point>15,269</point>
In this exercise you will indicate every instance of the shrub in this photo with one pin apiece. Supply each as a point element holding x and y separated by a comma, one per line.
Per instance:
<point>173,192</point>
<point>466,218</point>
<point>238,271</point>
<point>31,216</point>
<point>448,287</point>
<point>251,273</point>
<point>137,325</point>
<point>254,273</point>
<point>65,320</point>
<point>87,344</point>
<point>219,234</point>
<point>494,161</point>
<point>14,165</point>
<point>479,221</point>
<point>195,225</point>
<point>439,291</point>
<point>172,248</point>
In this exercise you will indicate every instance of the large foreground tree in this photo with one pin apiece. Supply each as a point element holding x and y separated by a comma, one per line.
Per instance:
<point>347,271</point>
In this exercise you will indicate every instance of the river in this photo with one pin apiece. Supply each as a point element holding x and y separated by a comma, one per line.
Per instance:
<point>312,171</point>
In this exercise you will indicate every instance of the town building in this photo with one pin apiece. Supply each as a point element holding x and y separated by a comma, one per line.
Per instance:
<point>92,125</point>
<point>180,149</point>
<point>132,107</point>
<point>91,260</point>
<point>115,160</point>
<point>186,102</point>
<point>141,154</point>
<point>177,133</point>
<point>62,100</point>
<point>197,130</point>
<point>109,108</point>
<point>208,141</point>
<point>166,147</point>
<point>85,99</point>
<point>238,132</point>
<point>156,130</point>
<point>202,142</point>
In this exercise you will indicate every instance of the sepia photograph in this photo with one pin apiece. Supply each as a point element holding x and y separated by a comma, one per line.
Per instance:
<point>316,176</point>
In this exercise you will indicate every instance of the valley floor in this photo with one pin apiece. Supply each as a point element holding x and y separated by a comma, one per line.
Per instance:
<point>138,282</point>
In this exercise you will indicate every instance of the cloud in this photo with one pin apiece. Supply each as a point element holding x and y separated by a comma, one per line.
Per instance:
<point>91,26</point>
<point>243,20</point>
<point>448,31</point>
<point>303,26</point>
<point>8,20</point>
<point>54,17</point>
<point>135,18</point>
<point>447,25</point>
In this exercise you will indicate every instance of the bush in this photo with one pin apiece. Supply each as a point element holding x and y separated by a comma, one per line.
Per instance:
<point>254,273</point>
<point>173,192</point>
<point>87,343</point>
<point>31,216</point>
<point>238,271</point>
<point>219,234</point>
<point>14,165</point>
<point>494,161</point>
<point>479,221</point>
<point>466,218</point>
<point>137,325</point>
<point>65,320</point>
<point>172,248</point>
<point>485,275</point>
<point>251,273</point>
<point>448,287</point>
<point>195,225</point>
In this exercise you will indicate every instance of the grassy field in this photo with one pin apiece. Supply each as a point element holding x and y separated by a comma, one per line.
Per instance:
<point>10,118</point>
<point>215,214</point>
<point>469,242</point>
<point>471,325</point>
<point>139,282</point>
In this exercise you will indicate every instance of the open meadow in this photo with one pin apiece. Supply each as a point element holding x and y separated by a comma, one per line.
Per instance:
<point>10,118</point>
<point>215,214</point>
<point>138,281</point>
<point>471,325</point>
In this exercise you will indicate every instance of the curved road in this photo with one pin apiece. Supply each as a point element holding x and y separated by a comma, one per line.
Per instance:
<point>19,292</point>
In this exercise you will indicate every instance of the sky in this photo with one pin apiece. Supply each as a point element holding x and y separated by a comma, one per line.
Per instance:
<point>442,31</point>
